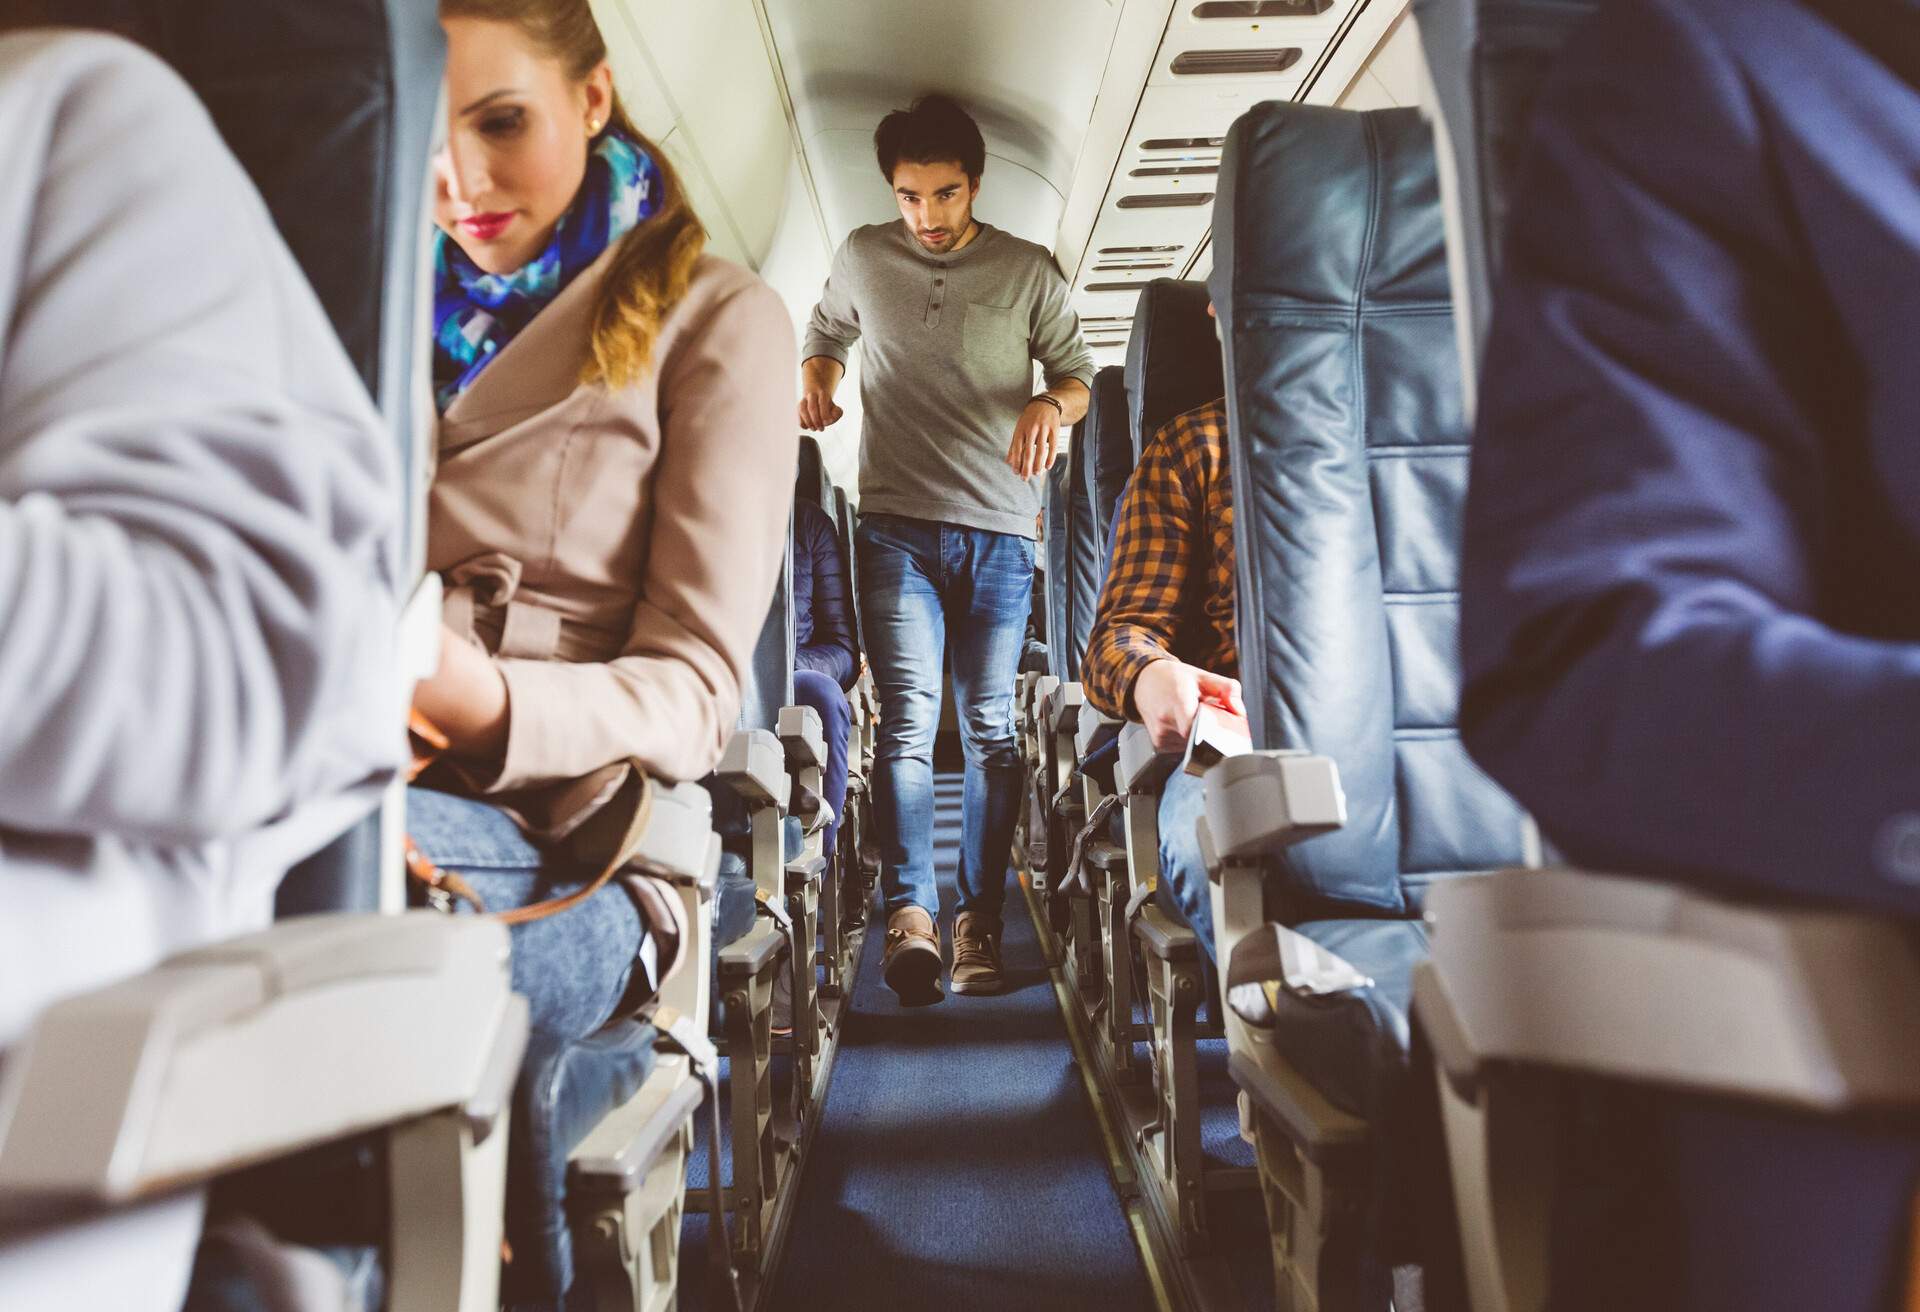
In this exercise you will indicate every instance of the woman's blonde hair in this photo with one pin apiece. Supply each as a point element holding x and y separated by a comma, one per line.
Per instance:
<point>654,263</point>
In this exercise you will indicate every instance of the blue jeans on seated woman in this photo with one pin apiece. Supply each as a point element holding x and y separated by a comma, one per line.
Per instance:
<point>575,969</point>
<point>812,688</point>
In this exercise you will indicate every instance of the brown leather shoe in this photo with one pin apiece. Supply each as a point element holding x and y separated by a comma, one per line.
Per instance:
<point>911,966</point>
<point>976,956</point>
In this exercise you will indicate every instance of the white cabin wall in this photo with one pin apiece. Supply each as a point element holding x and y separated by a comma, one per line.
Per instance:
<point>700,78</point>
<point>1391,76</point>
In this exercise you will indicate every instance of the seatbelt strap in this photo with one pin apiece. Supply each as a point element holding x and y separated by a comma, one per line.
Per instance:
<point>1076,876</point>
<point>678,1029</point>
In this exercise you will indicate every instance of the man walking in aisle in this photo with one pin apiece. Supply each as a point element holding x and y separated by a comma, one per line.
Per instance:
<point>952,313</point>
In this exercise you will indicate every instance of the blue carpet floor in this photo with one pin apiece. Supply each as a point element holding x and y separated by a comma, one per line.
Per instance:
<point>958,1165</point>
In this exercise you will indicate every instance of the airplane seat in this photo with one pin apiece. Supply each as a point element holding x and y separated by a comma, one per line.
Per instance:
<point>1348,452</point>
<point>1646,1135</point>
<point>1063,662</point>
<point>767,792</point>
<point>1173,366</point>
<point>811,480</point>
<point>1110,457</point>
<point>365,70</point>
<point>398,1030</point>
<point>1485,65</point>
<point>1173,357</point>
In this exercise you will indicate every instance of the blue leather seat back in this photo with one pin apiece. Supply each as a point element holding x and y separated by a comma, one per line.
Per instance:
<point>843,522</point>
<point>812,481</point>
<point>769,683</point>
<point>1108,438</point>
<point>333,100</point>
<point>1173,357</point>
<point>1488,59</point>
<point>347,115</point>
<point>1056,524</point>
<point>1349,452</point>
<point>1086,570</point>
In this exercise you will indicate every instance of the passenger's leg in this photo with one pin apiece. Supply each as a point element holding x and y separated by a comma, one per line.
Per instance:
<point>811,688</point>
<point>987,605</point>
<point>900,602</point>
<point>1182,891</point>
<point>573,968</point>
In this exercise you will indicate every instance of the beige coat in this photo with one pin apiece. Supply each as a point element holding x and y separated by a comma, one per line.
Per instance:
<point>617,549</point>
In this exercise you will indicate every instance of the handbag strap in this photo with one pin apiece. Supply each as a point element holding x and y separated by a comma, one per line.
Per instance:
<point>420,867</point>
<point>622,853</point>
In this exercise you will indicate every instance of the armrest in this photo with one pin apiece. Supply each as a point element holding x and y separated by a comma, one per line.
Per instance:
<point>618,1152</point>
<point>1263,802</point>
<point>1322,1131</point>
<point>678,839</point>
<point>1042,689</point>
<point>1093,732</point>
<point>803,736</point>
<point>1650,981</point>
<point>753,766</point>
<point>749,954</point>
<point>1061,707</point>
<point>320,1027</point>
<point>1140,768</point>
<point>1163,937</point>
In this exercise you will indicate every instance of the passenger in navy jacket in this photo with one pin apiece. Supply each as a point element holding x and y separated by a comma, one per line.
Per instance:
<point>826,662</point>
<point>1691,611</point>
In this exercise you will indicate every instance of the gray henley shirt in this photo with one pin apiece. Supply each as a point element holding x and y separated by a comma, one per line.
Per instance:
<point>948,345</point>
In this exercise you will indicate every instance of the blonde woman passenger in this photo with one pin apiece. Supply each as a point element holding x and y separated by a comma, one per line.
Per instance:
<point>609,511</point>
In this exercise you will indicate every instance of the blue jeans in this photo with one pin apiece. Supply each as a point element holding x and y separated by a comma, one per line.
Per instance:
<point>1183,892</point>
<point>934,594</point>
<point>812,688</point>
<point>573,969</point>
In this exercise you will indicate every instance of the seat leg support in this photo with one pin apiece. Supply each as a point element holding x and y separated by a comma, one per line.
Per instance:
<point>759,1157</point>
<point>1174,991</point>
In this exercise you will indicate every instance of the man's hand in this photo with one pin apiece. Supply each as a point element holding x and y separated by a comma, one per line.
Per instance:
<point>1167,697</point>
<point>819,376</point>
<point>817,410</point>
<point>466,699</point>
<point>1036,439</point>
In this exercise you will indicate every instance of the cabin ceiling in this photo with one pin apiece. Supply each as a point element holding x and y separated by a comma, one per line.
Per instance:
<point>1028,71</point>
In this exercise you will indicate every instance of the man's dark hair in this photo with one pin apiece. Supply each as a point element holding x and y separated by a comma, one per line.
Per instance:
<point>935,130</point>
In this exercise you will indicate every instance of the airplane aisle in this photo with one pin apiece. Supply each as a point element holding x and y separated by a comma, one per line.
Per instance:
<point>958,1165</point>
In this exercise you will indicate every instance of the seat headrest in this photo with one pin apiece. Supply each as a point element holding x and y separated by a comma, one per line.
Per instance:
<point>1487,59</point>
<point>1107,434</point>
<point>1274,209</point>
<point>347,113</point>
<point>811,481</point>
<point>1173,357</point>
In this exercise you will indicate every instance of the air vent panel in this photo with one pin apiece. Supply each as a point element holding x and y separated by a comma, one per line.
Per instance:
<point>1140,250</point>
<point>1231,63</point>
<point>1183,143</point>
<point>1122,267</point>
<point>1261,8</point>
<point>1115,286</point>
<point>1180,200</point>
<point>1175,171</point>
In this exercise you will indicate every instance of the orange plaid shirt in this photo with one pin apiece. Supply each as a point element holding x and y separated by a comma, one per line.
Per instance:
<point>1169,591</point>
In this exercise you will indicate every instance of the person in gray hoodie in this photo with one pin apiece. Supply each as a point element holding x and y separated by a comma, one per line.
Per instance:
<point>198,577</point>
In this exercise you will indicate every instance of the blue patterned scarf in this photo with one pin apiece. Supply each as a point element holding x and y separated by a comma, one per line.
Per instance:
<point>475,314</point>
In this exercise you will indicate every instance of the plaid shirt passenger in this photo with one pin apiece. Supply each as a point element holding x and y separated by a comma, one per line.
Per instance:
<point>1170,589</point>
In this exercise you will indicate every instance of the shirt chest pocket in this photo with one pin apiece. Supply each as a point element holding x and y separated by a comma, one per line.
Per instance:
<point>994,337</point>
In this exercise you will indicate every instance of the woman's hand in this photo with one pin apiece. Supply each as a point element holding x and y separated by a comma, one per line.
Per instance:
<point>1167,697</point>
<point>1036,438</point>
<point>466,699</point>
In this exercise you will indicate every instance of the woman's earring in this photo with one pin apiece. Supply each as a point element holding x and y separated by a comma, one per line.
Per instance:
<point>593,128</point>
